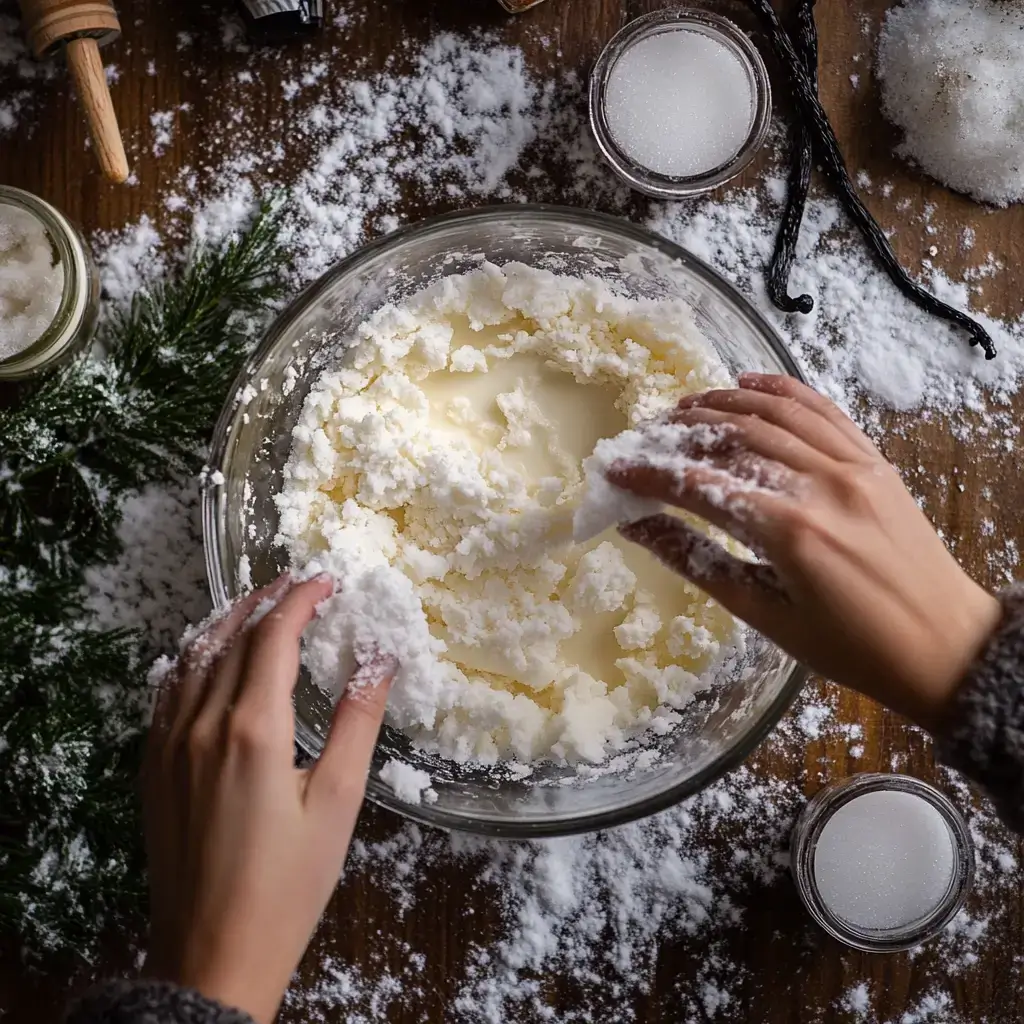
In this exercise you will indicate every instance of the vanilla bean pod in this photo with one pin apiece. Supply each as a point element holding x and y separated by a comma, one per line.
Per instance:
<point>831,159</point>
<point>783,257</point>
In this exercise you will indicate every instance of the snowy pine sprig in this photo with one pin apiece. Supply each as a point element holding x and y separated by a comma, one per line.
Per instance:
<point>71,695</point>
<point>74,443</point>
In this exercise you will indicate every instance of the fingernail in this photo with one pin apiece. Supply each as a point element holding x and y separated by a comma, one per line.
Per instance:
<point>374,670</point>
<point>326,577</point>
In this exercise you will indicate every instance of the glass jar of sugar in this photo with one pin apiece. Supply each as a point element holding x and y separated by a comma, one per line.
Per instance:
<point>680,102</point>
<point>882,862</point>
<point>49,286</point>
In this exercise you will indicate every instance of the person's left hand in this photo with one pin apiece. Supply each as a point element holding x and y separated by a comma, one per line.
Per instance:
<point>245,849</point>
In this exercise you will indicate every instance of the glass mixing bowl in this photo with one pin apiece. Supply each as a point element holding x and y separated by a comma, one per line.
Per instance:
<point>253,439</point>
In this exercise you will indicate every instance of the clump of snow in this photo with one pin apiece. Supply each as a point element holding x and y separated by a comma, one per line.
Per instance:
<point>950,73</point>
<point>408,783</point>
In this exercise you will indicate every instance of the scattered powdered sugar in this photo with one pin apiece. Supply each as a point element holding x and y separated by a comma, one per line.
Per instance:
<point>130,258</point>
<point>950,72</point>
<point>594,908</point>
<point>862,340</point>
<point>811,719</point>
<point>857,1003</point>
<point>158,583</point>
<point>409,784</point>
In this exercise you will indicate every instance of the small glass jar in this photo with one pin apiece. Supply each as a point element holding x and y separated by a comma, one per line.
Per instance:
<point>730,36</point>
<point>808,831</point>
<point>74,323</point>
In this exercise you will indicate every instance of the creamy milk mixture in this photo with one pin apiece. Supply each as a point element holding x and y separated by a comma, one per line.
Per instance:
<point>435,472</point>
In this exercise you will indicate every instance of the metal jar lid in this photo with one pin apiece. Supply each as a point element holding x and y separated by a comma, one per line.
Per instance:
<point>675,19</point>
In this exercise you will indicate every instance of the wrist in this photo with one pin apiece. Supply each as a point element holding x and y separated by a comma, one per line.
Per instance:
<point>257,992</point>
<point>978,616</point>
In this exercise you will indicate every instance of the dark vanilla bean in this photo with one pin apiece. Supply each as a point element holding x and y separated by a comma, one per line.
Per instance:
<point>783,257</point>
<point>826,148</point>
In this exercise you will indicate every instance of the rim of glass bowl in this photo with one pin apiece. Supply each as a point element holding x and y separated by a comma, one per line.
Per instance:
<point>214,511</point>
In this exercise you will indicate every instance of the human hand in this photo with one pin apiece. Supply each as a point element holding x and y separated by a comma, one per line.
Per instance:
<point>245,849</point>
<point>855,582</point>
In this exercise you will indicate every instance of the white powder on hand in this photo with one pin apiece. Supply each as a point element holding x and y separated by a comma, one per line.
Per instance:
<point>434,474</point>
<point>672,447</point>
<point>950,72</point>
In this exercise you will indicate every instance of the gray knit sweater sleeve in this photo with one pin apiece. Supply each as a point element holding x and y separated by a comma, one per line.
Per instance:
<point>984,734</point>
<point>150,1002</point>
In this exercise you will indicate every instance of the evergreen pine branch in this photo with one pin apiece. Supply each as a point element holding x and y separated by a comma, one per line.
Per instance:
<point>70,843</point>
<point>70,695</point>
<point>94,430</point>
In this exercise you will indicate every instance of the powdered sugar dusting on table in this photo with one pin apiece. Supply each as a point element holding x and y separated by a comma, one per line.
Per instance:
<point>466,121</point>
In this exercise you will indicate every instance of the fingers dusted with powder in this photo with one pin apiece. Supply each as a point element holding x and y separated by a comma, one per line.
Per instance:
<point>273,663</point>
<point>748,432</point>
<point>848,555</point>
<point>743,587</point>
<point>781,386</point>
<point>345,761</point>
<point>729,499</point>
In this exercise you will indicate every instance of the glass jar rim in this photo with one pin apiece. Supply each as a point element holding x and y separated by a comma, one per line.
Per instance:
<point>725,31</point>
<point>74,303</point>
<point>809,827</point>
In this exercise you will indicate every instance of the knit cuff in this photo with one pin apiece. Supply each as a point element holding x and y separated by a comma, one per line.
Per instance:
<point>150,1002</point>
<point>984,732</point>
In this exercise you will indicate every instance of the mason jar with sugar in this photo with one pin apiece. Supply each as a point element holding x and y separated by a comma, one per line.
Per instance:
<point>680,102</point>
<point>882,862</point>
<point>49,286</point>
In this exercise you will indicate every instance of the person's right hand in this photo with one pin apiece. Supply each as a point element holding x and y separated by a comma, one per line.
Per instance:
<point>855,582</point>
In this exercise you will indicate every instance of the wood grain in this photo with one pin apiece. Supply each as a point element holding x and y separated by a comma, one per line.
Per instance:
<point>795,975</point>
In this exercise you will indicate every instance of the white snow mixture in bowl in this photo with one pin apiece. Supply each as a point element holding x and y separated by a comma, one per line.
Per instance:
<point>435,473</point>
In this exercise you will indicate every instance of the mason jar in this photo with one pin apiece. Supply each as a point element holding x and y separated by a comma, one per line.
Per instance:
<point>74,322</point>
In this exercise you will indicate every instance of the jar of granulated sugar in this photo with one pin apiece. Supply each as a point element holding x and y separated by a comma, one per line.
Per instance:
<point>49,286</point>
<point>882,862</point>
<point>680,102</point>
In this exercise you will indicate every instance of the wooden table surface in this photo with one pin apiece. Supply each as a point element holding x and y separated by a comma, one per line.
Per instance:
<point>794,974</point>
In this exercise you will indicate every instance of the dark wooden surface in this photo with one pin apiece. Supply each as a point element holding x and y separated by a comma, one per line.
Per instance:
<point>794,974</point>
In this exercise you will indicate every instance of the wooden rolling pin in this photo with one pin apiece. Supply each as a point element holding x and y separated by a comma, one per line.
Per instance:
<point>81,27</point>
